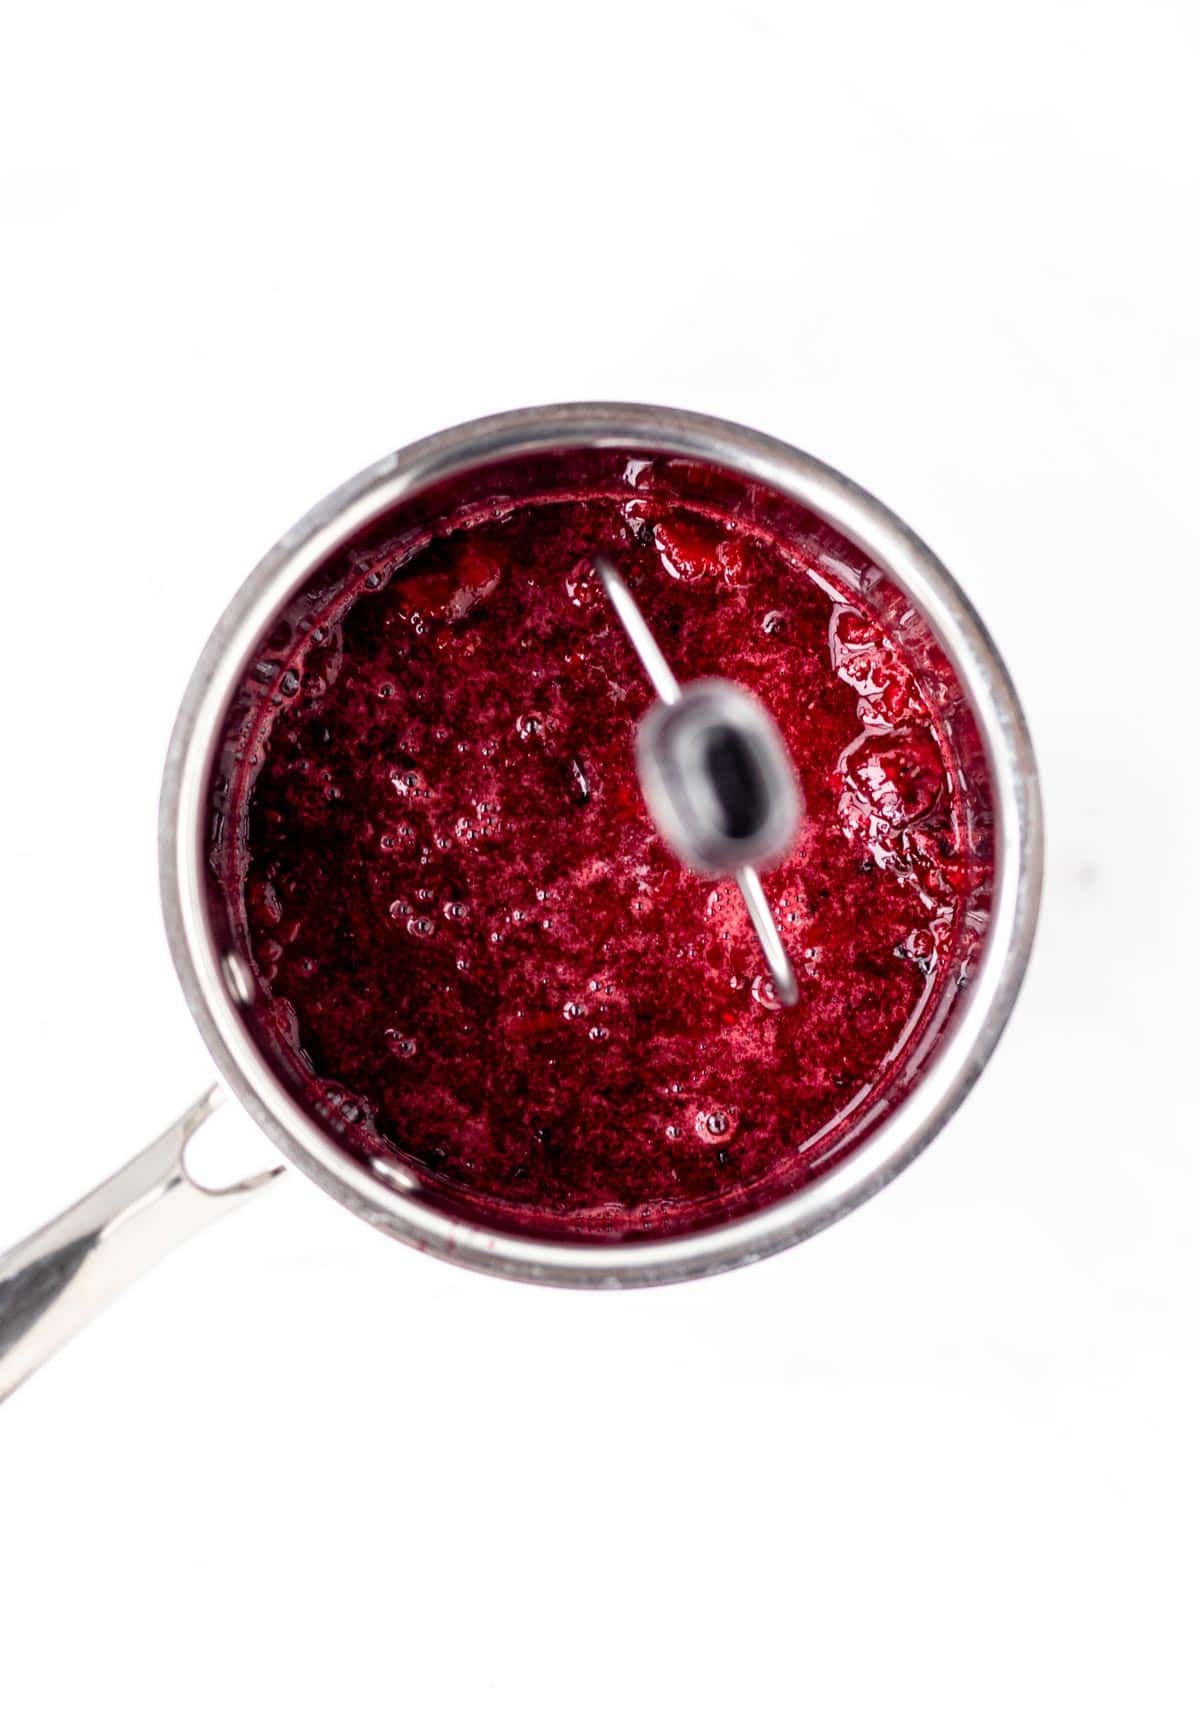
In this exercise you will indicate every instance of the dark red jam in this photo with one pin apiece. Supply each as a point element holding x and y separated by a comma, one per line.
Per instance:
<point>473,957</point>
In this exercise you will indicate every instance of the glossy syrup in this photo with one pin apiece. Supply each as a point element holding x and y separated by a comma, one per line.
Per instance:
<point>474,956</point>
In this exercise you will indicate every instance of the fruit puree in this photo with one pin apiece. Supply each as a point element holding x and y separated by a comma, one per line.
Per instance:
<point>470,953</point>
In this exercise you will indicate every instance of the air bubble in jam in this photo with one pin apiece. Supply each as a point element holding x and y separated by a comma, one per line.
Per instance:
<point>473,958</point>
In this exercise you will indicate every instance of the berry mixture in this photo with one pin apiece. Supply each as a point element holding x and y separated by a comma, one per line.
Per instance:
<point>473,956</point>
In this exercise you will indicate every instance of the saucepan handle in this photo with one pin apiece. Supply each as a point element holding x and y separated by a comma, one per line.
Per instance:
<point>58,1279</point>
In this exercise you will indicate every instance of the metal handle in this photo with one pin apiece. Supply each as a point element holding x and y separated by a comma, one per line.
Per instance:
<point>64,1274</point>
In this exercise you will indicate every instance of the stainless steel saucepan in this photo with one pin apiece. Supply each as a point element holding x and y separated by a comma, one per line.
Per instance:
<point>55,1281</point>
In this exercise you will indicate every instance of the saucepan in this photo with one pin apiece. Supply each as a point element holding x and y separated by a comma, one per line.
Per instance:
<point>55,1281</point>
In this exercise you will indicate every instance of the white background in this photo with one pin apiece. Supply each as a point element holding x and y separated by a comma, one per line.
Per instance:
<point>939,1463</point>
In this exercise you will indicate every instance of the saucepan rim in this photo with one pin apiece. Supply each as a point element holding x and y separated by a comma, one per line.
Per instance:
<point>969,1039</point>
